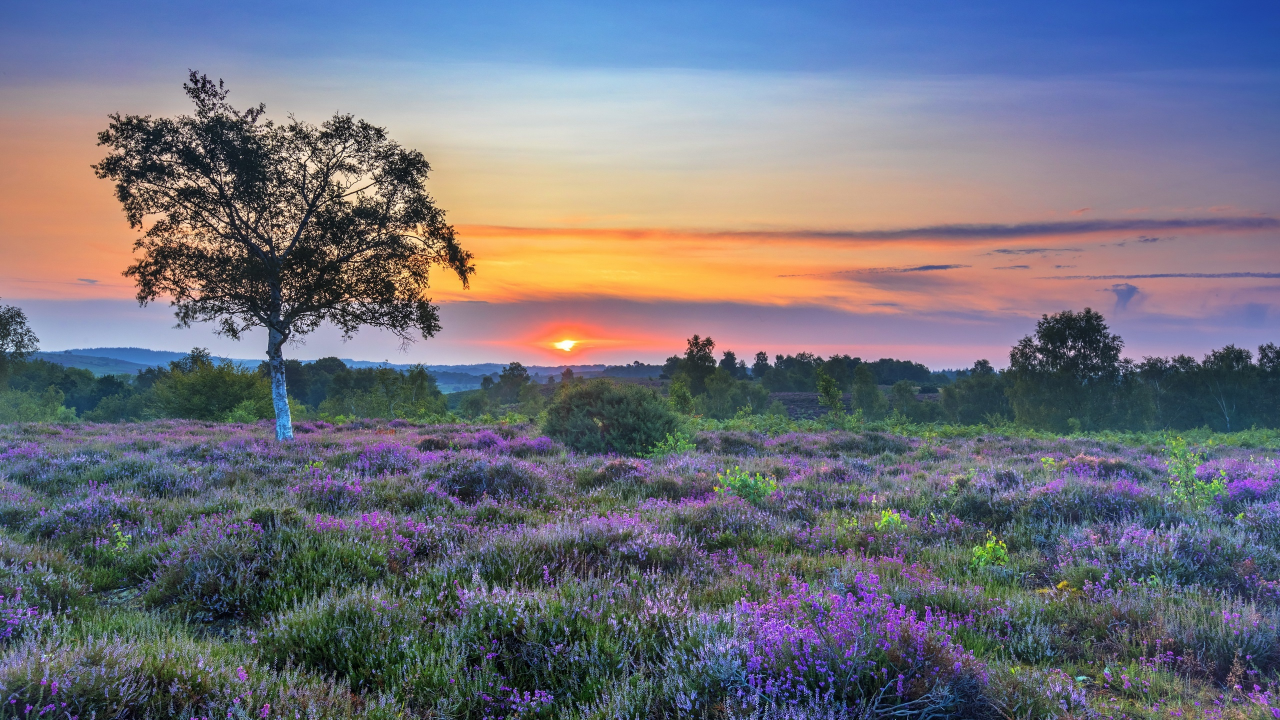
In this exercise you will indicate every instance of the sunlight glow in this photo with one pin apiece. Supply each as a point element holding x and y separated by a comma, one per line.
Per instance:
<point>565,345</point>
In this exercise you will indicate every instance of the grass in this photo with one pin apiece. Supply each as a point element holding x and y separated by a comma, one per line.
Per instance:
<point>751,568</point>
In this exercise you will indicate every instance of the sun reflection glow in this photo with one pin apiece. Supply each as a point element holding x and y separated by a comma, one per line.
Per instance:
<point>565,345</point>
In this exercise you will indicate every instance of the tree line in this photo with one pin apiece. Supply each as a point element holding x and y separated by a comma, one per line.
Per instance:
<point>1068,376</point>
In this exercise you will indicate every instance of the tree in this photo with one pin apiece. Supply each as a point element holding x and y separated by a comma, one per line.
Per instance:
<point>866,395</point>
<point>977,395</point>
<point>513,378</point>
<point>830,395</point>
<point>732,365</point>
<point>1230,383</point>
<point>17,341</point>
<point>698,363</point>
<point>279,226</point>
<point>760,366</point>
<point>1069,370</point>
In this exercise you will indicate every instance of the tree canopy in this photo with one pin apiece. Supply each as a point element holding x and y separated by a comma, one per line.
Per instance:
<point>249,223</point>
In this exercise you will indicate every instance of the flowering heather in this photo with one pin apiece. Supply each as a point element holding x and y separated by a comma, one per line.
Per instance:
<point>390,569</point>
<point>851,645</point>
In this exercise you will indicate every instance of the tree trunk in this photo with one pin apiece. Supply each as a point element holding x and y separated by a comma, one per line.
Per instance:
<point>279,393</point>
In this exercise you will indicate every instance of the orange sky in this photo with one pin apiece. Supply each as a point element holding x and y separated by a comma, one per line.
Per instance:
<point>574,199</point>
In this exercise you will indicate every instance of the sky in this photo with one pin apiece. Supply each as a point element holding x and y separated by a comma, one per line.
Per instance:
<point>919,180</point>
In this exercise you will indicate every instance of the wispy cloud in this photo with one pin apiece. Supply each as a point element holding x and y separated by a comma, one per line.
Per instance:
<point>1013,267</point>
<point>1144,239</point>
<point>1157,276</point>
<point>917,268</point>
<point>88,281</point>
<point>881,271</point>
<point>942,232</point>
<point>1031,251</point>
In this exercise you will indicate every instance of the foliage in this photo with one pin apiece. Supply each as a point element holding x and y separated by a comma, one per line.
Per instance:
<point>890,521</point>
<point>740,483</point>
<point>601,416</point>
<point>679,396</point>
<point>1184,464</point>
<point>991,553</point>
<point>385,393</point>
<point>17,341</point>
<point>866,396</point>
<point>726,397</point>
<point>676,443</point>
<point>829,394</point>
<point>195,387</point>
<point>28,406</point>
<point>283,227</point>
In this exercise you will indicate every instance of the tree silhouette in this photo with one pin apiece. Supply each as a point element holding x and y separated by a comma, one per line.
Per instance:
<point>281,226</point>
<point>17,341</point>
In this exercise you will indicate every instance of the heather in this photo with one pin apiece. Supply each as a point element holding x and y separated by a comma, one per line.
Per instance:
<point>737,570</point>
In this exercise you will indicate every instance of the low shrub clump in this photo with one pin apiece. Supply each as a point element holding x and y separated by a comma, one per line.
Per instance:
<point>605,417</point>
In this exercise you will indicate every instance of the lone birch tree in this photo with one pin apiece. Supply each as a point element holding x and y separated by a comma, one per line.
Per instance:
<point>249,223</point>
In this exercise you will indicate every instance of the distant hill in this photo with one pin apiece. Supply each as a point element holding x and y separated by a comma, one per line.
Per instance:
<point>451,378</point>
<point>99,366</point>
<point>144,357</point>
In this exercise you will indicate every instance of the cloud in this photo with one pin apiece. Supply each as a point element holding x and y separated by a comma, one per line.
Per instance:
<point>981,231</point>
<point>88,281</point>
<point>881,271</point>
<point>1144,239</point>
<point>1081,211</point>
<point>1031,251</point>
<point>917,268</point>
<point>1124,292</point>
<point>1013,267</point>
<point>1158,276</point>
<point>1059,267</point>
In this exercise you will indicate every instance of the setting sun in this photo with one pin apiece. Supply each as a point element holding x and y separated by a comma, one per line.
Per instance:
<point>565,345</point>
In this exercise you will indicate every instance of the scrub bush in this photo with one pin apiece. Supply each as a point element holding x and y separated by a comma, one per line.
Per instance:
<point>602,417</point>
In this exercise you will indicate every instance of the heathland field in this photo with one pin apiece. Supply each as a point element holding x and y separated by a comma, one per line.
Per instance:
<point>373,569</point>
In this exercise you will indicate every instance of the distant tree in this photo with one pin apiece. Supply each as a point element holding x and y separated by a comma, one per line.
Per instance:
<point>17,341</point>
<point>282,227</point>
<point>830,395</point>
<point>725,396</point>
<point>760,366</point>
<point>698,363</point>
<point>730,363</point>
<point>566,375</point>
<point>977,396</point>
<point>1230,382</point>
<point>866,395</point>
<point>1069,375</point>
<point>512,379</point>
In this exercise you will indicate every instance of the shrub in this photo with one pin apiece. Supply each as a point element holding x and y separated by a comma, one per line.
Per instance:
<point>164,677</point>
<point>601,416</point>
<point>583,548</point>
<point>676,443</point>
<point>365,636</point>
<point>991,553</point>
<point>470,475</point>
<point>740,483</point>
<point>858,645</point>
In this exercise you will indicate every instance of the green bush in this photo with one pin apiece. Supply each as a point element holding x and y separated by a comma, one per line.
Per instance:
<point>197,388</point>
<point>752,488</point>
<point>601,416</point>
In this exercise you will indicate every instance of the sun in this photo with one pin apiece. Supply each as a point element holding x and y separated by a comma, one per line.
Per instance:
<point>565,345</point>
